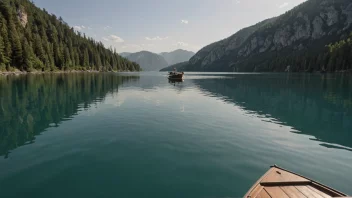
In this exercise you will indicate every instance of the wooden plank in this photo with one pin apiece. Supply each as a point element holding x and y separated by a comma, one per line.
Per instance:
<point>277,175</point>
<point>276,192</point>
<point>319,192</point>
<point>317,185</point>
<point>263,194</point>
<point>308,192</point>
<point>256,191</point>
<point>249,193</point>
<point>327,190</point>
<point>293,192</point>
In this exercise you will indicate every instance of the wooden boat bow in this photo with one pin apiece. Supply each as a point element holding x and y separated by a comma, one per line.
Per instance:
<point>278,182</point>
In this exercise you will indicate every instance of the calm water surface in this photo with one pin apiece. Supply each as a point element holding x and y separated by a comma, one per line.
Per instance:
<point>138,135</point>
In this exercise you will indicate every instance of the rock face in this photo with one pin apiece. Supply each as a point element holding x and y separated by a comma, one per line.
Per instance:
<point>22,16</point>
<point>177,56</point>
<point>311,22</point>
<point>148,61</point>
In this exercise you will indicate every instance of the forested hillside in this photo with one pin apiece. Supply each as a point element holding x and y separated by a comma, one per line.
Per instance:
<point>32,39</point>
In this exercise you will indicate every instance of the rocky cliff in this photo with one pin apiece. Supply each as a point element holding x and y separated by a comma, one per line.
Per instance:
<point>308,27</point>
<point>22,16</point>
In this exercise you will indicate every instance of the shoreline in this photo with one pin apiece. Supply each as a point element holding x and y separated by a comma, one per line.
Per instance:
<point>2,73</point>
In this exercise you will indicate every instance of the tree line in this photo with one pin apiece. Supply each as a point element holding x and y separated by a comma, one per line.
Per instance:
<point>43,42</point>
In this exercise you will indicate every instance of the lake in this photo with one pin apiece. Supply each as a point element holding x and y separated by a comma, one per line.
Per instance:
<point>139,135</point>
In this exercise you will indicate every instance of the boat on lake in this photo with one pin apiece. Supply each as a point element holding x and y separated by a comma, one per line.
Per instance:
<point>174,75</point>
<point>278,182</point>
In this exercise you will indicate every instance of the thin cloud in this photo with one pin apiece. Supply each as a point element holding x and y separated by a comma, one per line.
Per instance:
<point>132,46</point>
<point>283,5</point>
<point>105,39</point>
<point>116,39</point>
<point>107,27</point>
<point>238,2</point>
<point>79,27</point>
<point>184,21</point>
<point>148,45</point>
<point>157,38</point>
<point>181,44</point>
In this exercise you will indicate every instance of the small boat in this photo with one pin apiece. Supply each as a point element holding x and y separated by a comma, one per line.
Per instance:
<point>278,182</point>
<point>176,75</point>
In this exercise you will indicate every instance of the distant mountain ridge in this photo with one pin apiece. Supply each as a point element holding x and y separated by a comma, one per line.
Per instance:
<point>177,56</point>
<point>125,54</point>
<point>300,38</point>
<point>147,60</point>
<point>150,61</point>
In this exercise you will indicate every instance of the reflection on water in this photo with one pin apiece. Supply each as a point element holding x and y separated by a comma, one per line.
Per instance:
<point>29,104</point>
<point>316,105</point>
<point>132,135</point>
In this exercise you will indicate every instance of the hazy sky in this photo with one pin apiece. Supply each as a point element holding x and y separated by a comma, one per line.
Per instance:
<point>163,25</point>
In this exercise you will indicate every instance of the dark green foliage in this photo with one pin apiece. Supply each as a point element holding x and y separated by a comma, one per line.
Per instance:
<point>47,43</point>
<point>28,56</point>
<point>17,58</point>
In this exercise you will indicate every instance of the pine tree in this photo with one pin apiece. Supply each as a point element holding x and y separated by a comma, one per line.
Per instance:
<point>67,58</point>
<point>27,56</point>
<point>85,58</point>
<point>16,48</point>
<point>2,54</point>
<point>6,40</point>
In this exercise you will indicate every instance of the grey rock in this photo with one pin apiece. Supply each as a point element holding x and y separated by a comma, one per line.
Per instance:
<point>267,44</point>
<point>348,13</point>
<point>331,16</point>
<point>22,16</point>
<point>213,56</point>
<point>300,47</point>
<point>332,31</point>
<point>318,28</point>
<point>254,44</point>
<point>281,37</point>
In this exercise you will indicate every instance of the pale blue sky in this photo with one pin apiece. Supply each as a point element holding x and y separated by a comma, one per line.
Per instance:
<point>163,25</point>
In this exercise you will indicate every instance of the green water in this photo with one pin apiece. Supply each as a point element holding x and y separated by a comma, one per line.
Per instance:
<point>138,135</point>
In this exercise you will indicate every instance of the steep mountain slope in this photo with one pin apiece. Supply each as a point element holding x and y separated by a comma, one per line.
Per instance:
<point>177,56</point>
<point>148,61</point>
<point>32,39</point>
<point>179,67</point>
<point>297,38</point>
